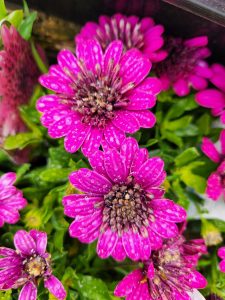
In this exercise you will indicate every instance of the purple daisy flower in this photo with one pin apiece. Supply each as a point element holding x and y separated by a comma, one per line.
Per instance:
<point>122,205</point>
<point>221,254</point>
<point>142,34</point>
<point>185,66</point>
<point>98,96</point>
<point>11,200</point>
<point>170,273</point>
<point>26,265</point>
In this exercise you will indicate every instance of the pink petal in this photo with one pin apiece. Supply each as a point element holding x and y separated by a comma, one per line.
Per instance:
<point>214,187</point>
<point>7,251</point>
<point>57,71</point>
<point>90,52</point>
<point>128,284</point>
<point>198,83</point>
<point>146,23</point>
<point>155,240</point>
<point>60,128</point>
<point>8,179</point>
<point>218,76</point>
<point>24,242</point>
<point>181,88</point>
<point>210,150</point>
<point>89,236</point>
<point>68,62</point>
<point>52,116</point>
<point>164,229</point>
<point>118,252</point>
<point>221,252</point>
<point>210,98</point>
<point>197,281</point>
<point>106,243</point>
<point>113,135</point>
<point>92,142</point>
<point>76,137</point>
<point>90,182</point>
<point>17,202</point>
<point>222,141</point>
<point>145,118</point>
<point>140,157</point>
<point>48,102</point>
<point>55,84</point>
<point>167,210</point>
<point>151,271</point>
<point>222,266</point>
<point>81,205</point>
<point>126,121</point>
<point>55,287</point>
<point>112,55</point>
<point>40,239</point>
<point>97,163</point>
<point>9,262</point>
<point>150,172</point>
<point>128,150</point>
<point>9,215</point>
<point>115,166</point>
<point>134,67</point>
<point>140,293</point>
<point>199,41</point>
<point>9,274</point>
<point>203,70</point>
<point>28,292</point>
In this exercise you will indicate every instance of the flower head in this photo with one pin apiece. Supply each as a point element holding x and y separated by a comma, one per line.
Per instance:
<point>221,254</point>
<point>142,34</point>
<point>98,96</point>
<point>216,181</point>
<point>122,204</point>
<point>215,98</point>
<point>11,200</point>
<point>169,273</point>
<point>26,265</point>
<point>184,66</point>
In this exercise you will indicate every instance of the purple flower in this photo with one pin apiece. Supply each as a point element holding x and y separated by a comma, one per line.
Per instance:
<point>216,181</point>
<point>26,265</point>
<point>215,98</point>
<point>184,66</point>
<point>142,34</point>
<point>98,96</point>
<point>170,273</point>
<point>122,205</point>
<point>221,254</point>
<point>11,200</point>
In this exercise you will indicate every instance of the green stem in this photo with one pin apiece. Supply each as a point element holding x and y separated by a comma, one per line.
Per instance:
<point>41,65</point>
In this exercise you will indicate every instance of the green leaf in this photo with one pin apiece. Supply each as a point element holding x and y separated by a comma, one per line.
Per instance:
<point>179,191</point>
<point>3,10</point>
<point>173,138</point>
<point>187,156</point>
<point>55,174</point>
<point>178,123</point>
<point>5,295</point>
<point>58,157</point>
<point>14,18</point>
<point>219,224</point>
<point>26,26</point>
<point>20,140</point>
<point>30,117</point>
<point>41,65</point>
<point>204,124</point>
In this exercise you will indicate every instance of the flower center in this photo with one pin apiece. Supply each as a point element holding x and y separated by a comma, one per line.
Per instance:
<point>131,36</point>
<point>180,62</point>
<point>35,266</point>
<point>96,95</point>
<point>126,207</point>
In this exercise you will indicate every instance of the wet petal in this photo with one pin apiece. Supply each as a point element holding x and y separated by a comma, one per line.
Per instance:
<point>145,118</point>
<point>112,54</point>
<point>167,210</point>
<point>48,102</point>
<point>24,242</point>
<point>106,243</point>
<point>164,229</point>
<point>128,284</point>
<point>113,135</point>
<point>68,62</point>
<point>55,287</point>
<point>92,142</point>
<point>55,84</point>
<point>197,280</point>
<point>126,122</point>
<point>214,187</point>
<point>119,253</point>
<point>97,163</point>
<point>209,149</point>
<point>128,150</point>
<point>60,128</point>
<point>28,292</point>
<point>115,166</point>
<point>140,157</point>
<point>8,179</point>
<point>40,239</point>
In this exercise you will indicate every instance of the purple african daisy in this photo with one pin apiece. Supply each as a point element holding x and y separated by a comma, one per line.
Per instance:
<point>98,96</point>
<point>221,254</point>
<point>216,181</point>
<point>185,66</point>
<point>11,200</point>
<point>169,274</point>
<point>26,265</point>
<point>215,98</point>
<point>142,34</point>
<point>122,204</point>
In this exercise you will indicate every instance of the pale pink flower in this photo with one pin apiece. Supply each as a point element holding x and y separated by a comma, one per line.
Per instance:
<point>215,98</point>
<point>98,96</point>
<point>170,273</point>
<point>122,205</point>
<point>141,34</point>
<point>216,181</point>
<point>221,254</point>
<point>26,265</point>
<point>185,65</point>
<point>11,200</point>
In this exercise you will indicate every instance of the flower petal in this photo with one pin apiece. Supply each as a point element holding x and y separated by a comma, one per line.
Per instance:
<point>119,253</point>
<point>55,287</point>
<point>61,127</point>
<point>97,163</point>
<point>28,292</point>
<point>68,62</point>
<point>128,284</point>
<point>115,166</point>
<point>48,102</point>
<point>112,55</point>
<point>167,210</point>
<point>145,118</point>
<point>222,141</point>
<point>40,239</point>
<point>113,135</point>
<point>8,179</point>
<point>155,240</point>
<point>197,280</point>
<point>106,243</point>
<point>92,142</point>
<point>140,157</point>
<point>56,84</point>
<point>24,242</point>
<point>128,150</point>
<point>221,252</point>
<point>181,87</point>
<point>9,215</point>
<point>164,229</point>
<point>214,187</point>
<point>210,98</point>
<point>209,149</point>
<point>126,121</point>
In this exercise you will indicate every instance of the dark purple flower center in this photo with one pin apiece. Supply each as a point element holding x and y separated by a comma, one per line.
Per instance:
<point>96,95</point>
<point>131,36</point>
<point>180,62</point>
<point>126,207</point>
<point>35,266</point>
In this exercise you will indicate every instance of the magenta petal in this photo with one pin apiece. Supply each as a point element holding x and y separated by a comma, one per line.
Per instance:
<point>210,98</point>
<point>90,182</point>
<point>222,141</point>
<point>128,284</point>
<point>164,229</point>
<point>197,281</point>
<point>134,67</point>
<point>167,210</point>
<point>113,135</point>
<point>214,187</point>
<point>97,163</point>
<point>7,251</point>
<point>10,262</point>
<point>112,55</point>
<point>115,166</point>
<point>106,243</point>
<point>24,242</point>
<point>55,84</point>
<point>54,115</point>
<point>28,292</point>
<point>221,252</point>
<point>68,62</point>
<point>76,137</point>
<point>9,214</point>
<point>63,126</point>
<point>8,179</point>
<point>150,172</point>
<point>210,150</point>
<point>92,142</point>
<point>119,253</point>
<point>128,150</point>
<point>181,87</point>
<point>155,240</point>
<point>199,41</point>
<point>222,266</point>
<point>40,239</point>
<point>126,121</point>
<point>48,102</point>
<point>198,82</point>
<point>81,205</point>
<point>55,287</point>
<point>145,118</point>
<point>140,157</point>
<point>57,71</point>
